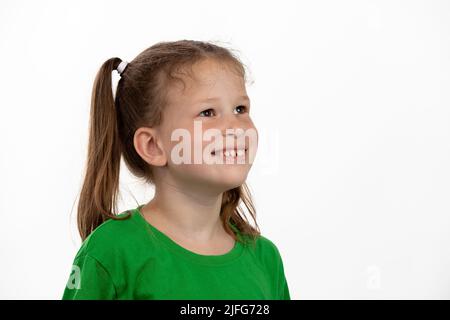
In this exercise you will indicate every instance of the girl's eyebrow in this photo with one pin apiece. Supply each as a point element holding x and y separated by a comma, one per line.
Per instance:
<point>244,97</point>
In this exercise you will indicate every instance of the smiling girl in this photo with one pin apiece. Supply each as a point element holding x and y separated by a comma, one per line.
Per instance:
<point>192,240</point>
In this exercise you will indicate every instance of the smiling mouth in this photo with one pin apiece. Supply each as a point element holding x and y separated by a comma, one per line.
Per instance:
<point>230,152</point>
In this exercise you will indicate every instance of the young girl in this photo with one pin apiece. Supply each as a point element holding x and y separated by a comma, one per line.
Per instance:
<point>192,240</point>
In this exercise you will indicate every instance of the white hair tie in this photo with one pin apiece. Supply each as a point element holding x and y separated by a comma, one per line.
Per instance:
<point>121,67</point>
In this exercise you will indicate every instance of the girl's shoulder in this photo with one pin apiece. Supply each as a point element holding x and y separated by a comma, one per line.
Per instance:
<point>113,235</point>
<point>266,246</point>
<point>266,251</point>
<point>259,243</point>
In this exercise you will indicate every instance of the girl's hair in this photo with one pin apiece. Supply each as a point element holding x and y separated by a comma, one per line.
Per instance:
<point>141,95</point>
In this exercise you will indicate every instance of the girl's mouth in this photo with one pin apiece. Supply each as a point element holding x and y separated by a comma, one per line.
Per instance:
<point>232,153</point>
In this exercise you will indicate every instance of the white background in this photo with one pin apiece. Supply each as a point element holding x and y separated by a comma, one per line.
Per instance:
<point>351,100</point>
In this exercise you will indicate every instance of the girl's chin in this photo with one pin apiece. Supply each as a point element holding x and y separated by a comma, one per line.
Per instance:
<point>231,179</point>
<point>217,177</point>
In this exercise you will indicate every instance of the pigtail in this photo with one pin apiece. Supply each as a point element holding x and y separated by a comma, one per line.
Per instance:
<point>98,196</point>
<point>232,212</point>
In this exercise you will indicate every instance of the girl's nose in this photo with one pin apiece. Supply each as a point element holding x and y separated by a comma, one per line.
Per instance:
<point>232,125</point>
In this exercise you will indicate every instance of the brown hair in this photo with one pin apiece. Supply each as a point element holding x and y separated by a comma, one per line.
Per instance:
<point>141,95</point>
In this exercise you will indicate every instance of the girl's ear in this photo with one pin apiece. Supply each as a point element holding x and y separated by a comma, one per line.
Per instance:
<point>149,147</point>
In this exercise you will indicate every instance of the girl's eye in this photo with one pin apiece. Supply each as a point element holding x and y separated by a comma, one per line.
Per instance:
<point>206,112</point>
<point>243,108</point>
<point>209,112</point>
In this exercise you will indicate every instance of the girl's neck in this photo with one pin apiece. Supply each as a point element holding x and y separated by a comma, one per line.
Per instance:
<point>186,212</point>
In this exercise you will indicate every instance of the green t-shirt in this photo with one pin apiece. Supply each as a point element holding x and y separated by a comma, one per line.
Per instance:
<point>131,259</point>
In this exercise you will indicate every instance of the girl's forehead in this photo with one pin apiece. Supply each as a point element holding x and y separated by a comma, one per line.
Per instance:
<point>211,83</point>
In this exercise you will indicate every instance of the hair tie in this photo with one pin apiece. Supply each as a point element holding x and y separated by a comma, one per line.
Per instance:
<point>121,67</point>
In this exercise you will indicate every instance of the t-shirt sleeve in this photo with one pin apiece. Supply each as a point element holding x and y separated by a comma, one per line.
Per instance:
<point>282,282</point>
<point>285,291</point>
<point>89,280</point>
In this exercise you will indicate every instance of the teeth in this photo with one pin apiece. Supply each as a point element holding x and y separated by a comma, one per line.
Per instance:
<point>230,153</point>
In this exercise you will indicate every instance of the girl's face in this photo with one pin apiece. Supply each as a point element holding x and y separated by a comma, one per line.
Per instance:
<point>197,121</point>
